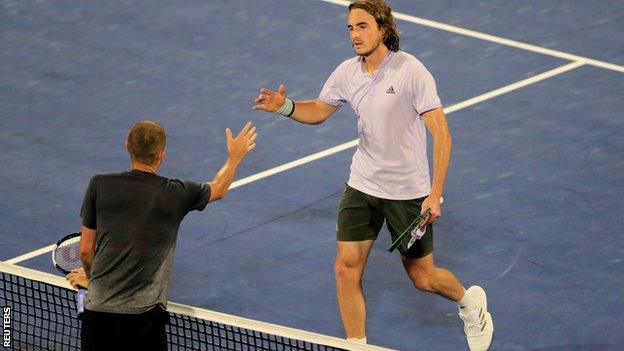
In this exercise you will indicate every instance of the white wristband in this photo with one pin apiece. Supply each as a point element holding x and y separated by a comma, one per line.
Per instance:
<point>287,108</point>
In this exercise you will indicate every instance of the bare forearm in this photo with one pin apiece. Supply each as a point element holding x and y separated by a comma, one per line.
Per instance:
<point>435,120</point>
<point>441,158</point>
<point>305,111</point>
<point>87,259</point>
<point>87,248</point>
<point>312,112</point>
<point>223,179</point>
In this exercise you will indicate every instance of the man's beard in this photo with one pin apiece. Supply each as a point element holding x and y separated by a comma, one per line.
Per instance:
<point>367,53</point>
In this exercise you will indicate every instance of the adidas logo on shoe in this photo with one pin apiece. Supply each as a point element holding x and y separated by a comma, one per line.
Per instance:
<point>390,90</point>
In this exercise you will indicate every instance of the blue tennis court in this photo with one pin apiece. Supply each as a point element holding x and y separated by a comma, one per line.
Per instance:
<point>534,198</point>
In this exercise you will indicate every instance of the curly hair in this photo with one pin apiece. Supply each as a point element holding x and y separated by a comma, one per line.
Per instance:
<point>383,16</point>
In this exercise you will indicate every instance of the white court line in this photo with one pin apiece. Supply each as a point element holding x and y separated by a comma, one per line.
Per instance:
<point>30,255</point>
<point>295,163</point>
<point>496,39</point>
<point>514,86</point>
<point>344,146</point>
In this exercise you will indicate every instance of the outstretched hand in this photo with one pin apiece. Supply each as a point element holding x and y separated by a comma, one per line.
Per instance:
<point>269,100</point>
<point>244,142</point>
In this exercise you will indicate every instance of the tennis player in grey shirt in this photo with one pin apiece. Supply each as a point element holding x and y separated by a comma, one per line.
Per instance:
<point>130,224</point>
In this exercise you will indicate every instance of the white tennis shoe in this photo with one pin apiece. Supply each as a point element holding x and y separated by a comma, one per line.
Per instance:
<point>478,324</point>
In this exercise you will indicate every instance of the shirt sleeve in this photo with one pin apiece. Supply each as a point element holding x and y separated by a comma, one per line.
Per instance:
<point>424,92</point>
<point>332,93</point>
<point>88,210</point>
<point>198,195</point>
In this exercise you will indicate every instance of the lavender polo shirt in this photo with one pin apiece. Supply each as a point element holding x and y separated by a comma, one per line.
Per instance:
<point>391,157</point>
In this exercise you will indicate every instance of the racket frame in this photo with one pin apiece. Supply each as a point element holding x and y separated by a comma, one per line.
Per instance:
<point>399,240</point>
<point>56,246</point>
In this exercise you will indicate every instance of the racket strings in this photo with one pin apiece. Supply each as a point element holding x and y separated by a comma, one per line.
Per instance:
<point>67,255</point>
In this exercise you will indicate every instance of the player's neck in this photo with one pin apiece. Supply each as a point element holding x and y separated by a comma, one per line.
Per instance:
<point>144,168</point>
<point>375,58</point>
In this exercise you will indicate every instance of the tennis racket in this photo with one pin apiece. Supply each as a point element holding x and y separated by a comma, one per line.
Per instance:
<point>66,257</point>
<point>415,229</point>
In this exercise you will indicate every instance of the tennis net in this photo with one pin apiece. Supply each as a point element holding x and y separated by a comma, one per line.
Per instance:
<point>39,313</point>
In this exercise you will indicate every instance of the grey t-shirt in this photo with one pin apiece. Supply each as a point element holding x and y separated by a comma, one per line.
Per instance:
<point>136,215</point>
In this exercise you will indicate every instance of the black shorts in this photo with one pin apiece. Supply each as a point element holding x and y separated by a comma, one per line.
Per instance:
<point>361,216</point>
<point>116,331</point>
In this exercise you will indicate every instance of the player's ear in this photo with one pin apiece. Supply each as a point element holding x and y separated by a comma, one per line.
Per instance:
<point>126,145</point>
<point>383,32</point>
<point>161,156</point>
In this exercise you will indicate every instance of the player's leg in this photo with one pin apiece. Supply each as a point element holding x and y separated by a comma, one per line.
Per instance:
<point>350,262</point>
<point>422,271</point>
<point>358,225</point>
<point>101,331</point>
<point>148,330</point>
<point>472,303</point>
<point>418,259</point>
<point>427,277</point>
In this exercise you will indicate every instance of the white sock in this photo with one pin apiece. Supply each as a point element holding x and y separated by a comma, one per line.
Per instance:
<point>359,341</point>
<point>465,303</point>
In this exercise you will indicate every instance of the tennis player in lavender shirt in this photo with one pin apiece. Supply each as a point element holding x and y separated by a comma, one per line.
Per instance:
<point>395,101</point>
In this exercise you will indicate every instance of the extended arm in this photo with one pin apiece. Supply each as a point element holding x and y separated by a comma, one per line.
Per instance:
<point>237,150</point>
<point>308,112</point>
<point>435,121</point>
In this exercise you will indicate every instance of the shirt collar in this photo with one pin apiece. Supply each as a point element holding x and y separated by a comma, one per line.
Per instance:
<point>382,66</point>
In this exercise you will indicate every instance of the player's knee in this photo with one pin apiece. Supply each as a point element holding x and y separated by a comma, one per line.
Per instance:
<point>345,269</point>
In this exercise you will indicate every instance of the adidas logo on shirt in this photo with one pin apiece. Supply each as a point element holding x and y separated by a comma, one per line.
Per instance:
<point>390,90</point>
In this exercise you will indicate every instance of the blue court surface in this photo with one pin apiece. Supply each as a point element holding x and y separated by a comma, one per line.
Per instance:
<point>534,199</point>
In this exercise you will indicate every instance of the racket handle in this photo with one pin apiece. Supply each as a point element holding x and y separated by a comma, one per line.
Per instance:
<point>407,231</point>
<point>81,295</point>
